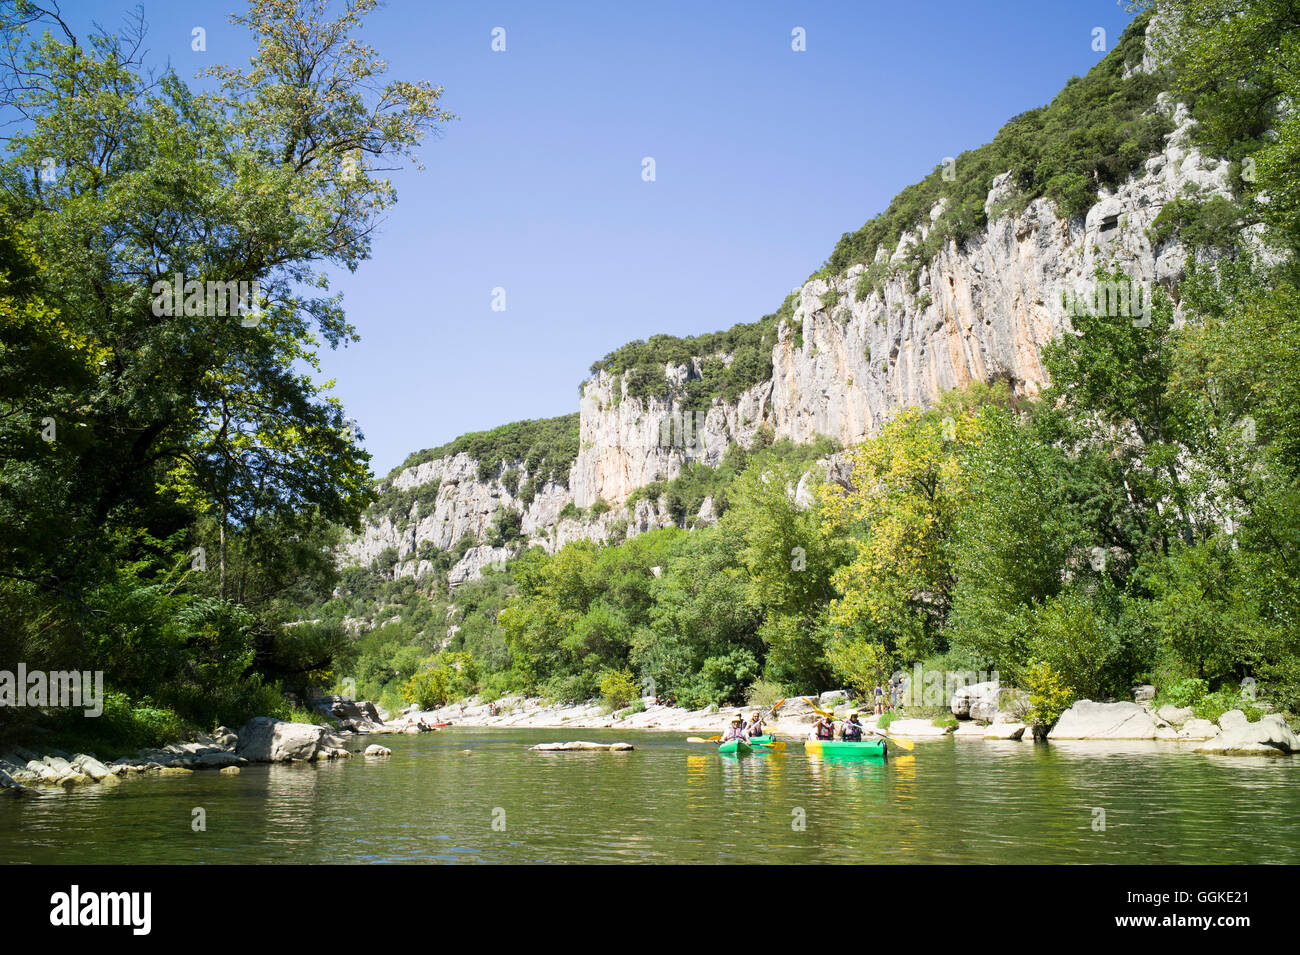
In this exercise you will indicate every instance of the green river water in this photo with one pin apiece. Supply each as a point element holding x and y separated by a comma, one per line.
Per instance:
<point>671,801</point>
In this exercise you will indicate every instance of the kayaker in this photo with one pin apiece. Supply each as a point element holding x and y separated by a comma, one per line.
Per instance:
<point>736,730</point>
<point>823,729</point>
<point>755,726</point>
<point>853,729</point>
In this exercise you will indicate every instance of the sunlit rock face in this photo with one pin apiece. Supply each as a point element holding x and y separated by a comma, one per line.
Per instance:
<point>845,364</point>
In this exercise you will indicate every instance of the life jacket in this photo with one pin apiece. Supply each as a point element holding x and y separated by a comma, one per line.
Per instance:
<point>852,732</point>
<point>825,732</point>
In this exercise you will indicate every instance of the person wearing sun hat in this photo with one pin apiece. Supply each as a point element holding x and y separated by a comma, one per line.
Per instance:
<point>736,730</point>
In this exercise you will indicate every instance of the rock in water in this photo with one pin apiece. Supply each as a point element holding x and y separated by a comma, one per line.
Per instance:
<point>1005,731</point>
<point>1198,729</point>
<point>1269,737</point>
<point>582,745</point>
<point>91,767</point>
<point>1089,720</point>
<point>376,750</point>
<point>267,740</point>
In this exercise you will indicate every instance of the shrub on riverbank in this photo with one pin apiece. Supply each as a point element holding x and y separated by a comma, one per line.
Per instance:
<point>618,688</point>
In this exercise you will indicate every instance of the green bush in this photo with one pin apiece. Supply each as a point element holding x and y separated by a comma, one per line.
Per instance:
<point>1213,705</point>
<point>618,688</point>
<point>121,729</point>
<point>1188,692</point>
<point>764,694</point>
<point>721,680</point>
<point>1213,224</point>
<point>1049,697</point>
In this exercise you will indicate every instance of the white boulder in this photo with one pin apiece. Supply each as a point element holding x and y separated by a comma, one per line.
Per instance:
<point>267,740</point>
<point>1089,720</point>
<point>1269,737</point>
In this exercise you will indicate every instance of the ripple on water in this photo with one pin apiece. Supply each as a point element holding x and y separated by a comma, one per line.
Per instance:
<point>670,801</point>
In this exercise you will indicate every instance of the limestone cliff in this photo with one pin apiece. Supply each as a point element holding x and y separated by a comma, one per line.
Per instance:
<point>851,355</point>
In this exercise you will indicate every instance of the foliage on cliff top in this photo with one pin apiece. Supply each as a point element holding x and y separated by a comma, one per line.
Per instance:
<point>546,446</point>
<point>749,345</point>
<point>1097,131</point>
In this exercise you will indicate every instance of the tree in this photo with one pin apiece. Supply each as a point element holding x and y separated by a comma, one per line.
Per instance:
<point>1015,536</point>
<point>192,418</point>
<point>1110,391</point>
<point>198,398</point>
<point>908,487</point>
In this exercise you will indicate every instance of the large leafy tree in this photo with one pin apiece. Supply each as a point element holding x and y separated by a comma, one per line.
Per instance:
<point>131,420</point>
<point>908,487</point>
<point>119,183</point>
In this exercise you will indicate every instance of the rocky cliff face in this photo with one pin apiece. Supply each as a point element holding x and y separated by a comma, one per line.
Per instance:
<point>979,313</point>
<point>850,357</point>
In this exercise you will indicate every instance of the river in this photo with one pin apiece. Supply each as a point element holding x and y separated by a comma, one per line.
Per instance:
<point>479,795</point>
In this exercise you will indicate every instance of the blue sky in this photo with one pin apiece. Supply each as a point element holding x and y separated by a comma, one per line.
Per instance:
<point>763,156</point>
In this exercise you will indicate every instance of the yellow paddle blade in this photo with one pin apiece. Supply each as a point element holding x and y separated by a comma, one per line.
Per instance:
<point>815,708</point>
<point>696,739</point>
<point>898,740</point>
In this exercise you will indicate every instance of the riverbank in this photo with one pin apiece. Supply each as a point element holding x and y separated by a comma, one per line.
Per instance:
<point>268,740</point>
<point>1087,721</point>
<point>261,740</point>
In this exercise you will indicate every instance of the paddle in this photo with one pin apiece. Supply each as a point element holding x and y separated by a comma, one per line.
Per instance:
<point>898,740</point>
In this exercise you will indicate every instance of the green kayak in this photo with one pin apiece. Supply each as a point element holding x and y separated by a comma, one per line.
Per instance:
<point>761,740</point>
<point>735,747</point>
<point>867,747</point>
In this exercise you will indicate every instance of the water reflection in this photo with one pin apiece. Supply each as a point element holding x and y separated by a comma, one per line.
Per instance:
<point>673,801</point>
